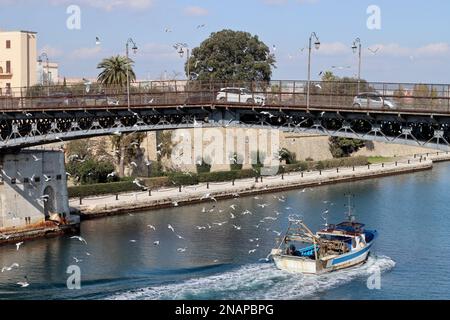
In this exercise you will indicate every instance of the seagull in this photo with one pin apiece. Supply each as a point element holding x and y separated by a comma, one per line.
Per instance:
<point>133,240</point>
<point>18,244</point>
<point>133,164</point>
<point>77,260</point>
<point>237,227</point>
<point>175,203</point>
<point>201,26</point>
<point>148,163</point>
<point>181,249</point>
<point>23,284</point>
<point>36,158</point>
<point>200,227</point>
<point>15,264</point>
<point>112,174</point>
<point>171,228</point>
<point>167,30</point>
<point>179,237</point>
<point>263,205</point>
<point>219,223</point>
<point>79,238</point>
<point>374,51</point>
<point>276,232</point>
<point>151,227</point>
<point>232,215</point>
<point>233,206</point>
<point>251,251</point>
<point>156,243</point>
<point>318,86</point>
<point>267,113</point>
<point>136,182</point>
<point>97,41</point>
<point>47,179</point>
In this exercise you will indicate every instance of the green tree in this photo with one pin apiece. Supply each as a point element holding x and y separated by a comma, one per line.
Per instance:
<point>288,156</point>
<point>91,171</point>
<point>344,147</point>
<point>114,71</point>
<point>232,55</point>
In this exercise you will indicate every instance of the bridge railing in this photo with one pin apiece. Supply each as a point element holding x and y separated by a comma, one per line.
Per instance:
<point>284,93</point>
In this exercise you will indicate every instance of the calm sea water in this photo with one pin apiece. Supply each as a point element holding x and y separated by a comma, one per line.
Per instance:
<point>120,260</point>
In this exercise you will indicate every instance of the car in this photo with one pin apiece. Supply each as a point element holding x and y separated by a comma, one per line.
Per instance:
<point>242,95</point>
<point>372,100</point>
<point>99,100</point>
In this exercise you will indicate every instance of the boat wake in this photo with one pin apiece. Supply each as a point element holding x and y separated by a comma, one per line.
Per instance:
<point>262,281</point>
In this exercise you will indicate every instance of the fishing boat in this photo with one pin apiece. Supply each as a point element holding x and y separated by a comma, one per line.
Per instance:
<point>335,247</point>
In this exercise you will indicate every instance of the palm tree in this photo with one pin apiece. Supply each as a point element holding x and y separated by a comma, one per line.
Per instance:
<point>114,71</point>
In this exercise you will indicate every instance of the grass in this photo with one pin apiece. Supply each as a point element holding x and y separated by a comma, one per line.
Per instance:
<point>378,159</point>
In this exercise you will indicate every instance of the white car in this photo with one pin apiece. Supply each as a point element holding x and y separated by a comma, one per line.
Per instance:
<point>239,95</point>
<point>372,100</point>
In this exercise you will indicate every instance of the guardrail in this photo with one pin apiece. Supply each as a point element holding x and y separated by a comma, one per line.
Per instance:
<point>426,98</point>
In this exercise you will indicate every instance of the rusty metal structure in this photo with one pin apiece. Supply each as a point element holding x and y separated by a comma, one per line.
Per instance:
<point>417,114</point>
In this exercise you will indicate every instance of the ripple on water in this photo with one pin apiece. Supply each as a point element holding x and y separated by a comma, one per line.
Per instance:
<point>262,281</point>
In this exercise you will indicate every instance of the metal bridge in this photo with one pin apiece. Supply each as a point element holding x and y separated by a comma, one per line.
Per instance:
<point>414,114</point>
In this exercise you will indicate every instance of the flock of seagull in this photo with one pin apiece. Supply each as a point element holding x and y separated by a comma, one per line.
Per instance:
<point>232,210</point>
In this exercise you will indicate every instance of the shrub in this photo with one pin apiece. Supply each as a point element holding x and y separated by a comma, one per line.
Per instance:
<point>92,171</point>
<point>156,182</point>
<point>203,166</point>
<point>183,179</point>
<point>102,188</point>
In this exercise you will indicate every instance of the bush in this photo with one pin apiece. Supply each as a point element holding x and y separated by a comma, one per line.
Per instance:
<point>102,188</point>
<point>92,171</point>
<point>183,179</point>
<point>156,182</point>
<point>203,166</point>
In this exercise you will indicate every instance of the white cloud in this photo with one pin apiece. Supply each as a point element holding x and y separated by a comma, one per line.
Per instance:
<point>85,53</point>
<point>333,48</point>
<point>52,52</point>
<point>195,11</point>
<point>107,4</point>
<point>396,50</point>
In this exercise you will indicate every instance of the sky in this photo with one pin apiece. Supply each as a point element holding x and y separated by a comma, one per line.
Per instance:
<point>402,40</point>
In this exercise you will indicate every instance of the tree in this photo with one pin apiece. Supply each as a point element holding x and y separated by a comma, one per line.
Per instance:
<point>232,55</point>
<point>344,147</point>
<point>126,148</point>
<point>114,71</point>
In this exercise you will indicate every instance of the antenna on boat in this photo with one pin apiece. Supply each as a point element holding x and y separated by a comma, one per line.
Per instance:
<point>325,217</point>
<point>350,207</point>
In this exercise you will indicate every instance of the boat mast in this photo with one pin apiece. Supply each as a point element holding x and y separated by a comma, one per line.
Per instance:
<point>350,208</point>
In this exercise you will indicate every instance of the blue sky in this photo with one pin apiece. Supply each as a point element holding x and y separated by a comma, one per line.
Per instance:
<point>413,42</point>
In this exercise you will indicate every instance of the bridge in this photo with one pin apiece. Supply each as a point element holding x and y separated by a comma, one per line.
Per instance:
<point>414,114</point>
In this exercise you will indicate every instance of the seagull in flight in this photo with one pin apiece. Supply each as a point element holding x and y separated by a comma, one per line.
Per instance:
<point>36,158</point>
<point>373,51</point>
<point>170,227</point>
<point>151,227</point>
<point>18,244</point>
<point>156,243</point>
<point>79,239</point>
<point>24,283</point>
<point>181,249</point>
<point>201,26</point>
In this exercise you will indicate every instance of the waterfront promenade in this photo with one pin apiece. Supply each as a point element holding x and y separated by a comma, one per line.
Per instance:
<point>211,192</point>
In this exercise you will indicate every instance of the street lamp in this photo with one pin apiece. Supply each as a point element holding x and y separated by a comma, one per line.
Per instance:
<point>47,81</point>
<point>182,47</point>
<point>354,48</point>
<point>134,48</point>
<point>317,46</point>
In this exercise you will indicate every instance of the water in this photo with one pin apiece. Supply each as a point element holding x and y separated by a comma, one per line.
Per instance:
<point>410,213</point>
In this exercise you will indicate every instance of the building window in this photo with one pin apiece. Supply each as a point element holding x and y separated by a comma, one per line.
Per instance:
<point>37,179</point>
<point>26,180</point>
<point>58,177</point>
<point>13,180</point>
<point>8,66</point>
<point>8,44</point>
<point>8,88</point>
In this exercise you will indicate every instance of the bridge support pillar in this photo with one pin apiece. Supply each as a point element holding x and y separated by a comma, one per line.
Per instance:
<point>33,192</point>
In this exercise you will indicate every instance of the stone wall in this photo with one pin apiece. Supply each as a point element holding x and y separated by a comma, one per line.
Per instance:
<point>33,187</point>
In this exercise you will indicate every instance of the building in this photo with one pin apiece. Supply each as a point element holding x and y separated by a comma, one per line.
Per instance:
<point>47,73</point>
<point>18,60</point>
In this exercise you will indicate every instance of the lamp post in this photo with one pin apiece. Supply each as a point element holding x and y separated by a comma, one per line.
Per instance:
<point>47,80</point>
<point>354,48</point>
<point>134,48</point>
<point>317,46</point>
<point>182,48</point>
